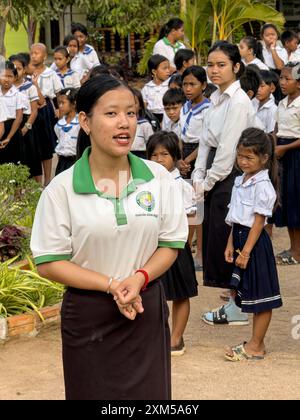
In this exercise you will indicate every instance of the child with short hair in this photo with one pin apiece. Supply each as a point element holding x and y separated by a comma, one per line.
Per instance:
<point>175,81</point>
<point>66,130</point>
<point>290,42</point>
<point>183,59</point>
<point>81,33</point>
<point>249,247</point>
<point>69,78</point>
<point>179,281</point>
<point>173,101</point>
<point>264,102</point>
<point>288,153</point>
<point>153,91</point>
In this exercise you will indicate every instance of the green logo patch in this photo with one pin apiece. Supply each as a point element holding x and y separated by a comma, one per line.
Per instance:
<point>145,199</point>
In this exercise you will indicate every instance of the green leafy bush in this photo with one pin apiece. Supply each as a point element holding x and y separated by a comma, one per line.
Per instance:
<point>24,290</point>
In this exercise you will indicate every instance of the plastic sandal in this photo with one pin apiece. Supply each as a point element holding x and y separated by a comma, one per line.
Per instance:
<point>287,260</point>
<point>239,354</point>
<point>220,318</point>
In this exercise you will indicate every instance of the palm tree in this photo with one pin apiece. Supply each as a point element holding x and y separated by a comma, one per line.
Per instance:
<point>209,20</point>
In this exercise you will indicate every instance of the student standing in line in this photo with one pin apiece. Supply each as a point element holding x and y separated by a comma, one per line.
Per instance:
<point>153,91</point>
<point>179,281</point>
<point>169,40</point>
<point>81,33</point>
<point>230,113</point>
<point>69,78</point>
<point>183,59</point>
<point>115,334</point>
<point>251,52</point>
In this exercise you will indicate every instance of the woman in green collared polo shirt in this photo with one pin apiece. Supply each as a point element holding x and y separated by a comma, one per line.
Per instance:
<point>169,40</point>
<point>107,228</point>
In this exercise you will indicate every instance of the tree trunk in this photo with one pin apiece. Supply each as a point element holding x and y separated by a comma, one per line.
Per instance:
<point>31,31</point>
<point>2,35</point>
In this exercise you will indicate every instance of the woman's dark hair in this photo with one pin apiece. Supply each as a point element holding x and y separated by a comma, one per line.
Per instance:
<point>25,57</point>
<point>197,71</point>
<point>70,93</point>
<point>232,52</point>
<point>267,26</point>
<point>118,72</point>
<point>154,61</point>
<point>76,26</point>
<point>174,23</point>
<point>209,90</point>
<point>68,39</point>
<point>64,51</point>
<point>167,139</point>
<point>98,71</point>
<point>176,79</point>
<point>10,66</point>
<point>20,58</point>
<point>184,54</point>
<point>173,96</point>
<point>269,77</point>
<point>262,144</point>
<point>250,79</point>
<point>255,45</point>
<point>138,95</point>
<point>87,97</point>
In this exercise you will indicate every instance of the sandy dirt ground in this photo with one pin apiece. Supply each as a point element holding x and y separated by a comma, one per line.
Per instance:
<point>31,367</point>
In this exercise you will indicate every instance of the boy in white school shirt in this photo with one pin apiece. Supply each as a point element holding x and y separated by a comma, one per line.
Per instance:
<point>173,101</point>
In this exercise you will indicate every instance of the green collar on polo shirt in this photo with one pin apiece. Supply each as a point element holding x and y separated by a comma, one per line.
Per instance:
<point>175,46</point>
<point>83,182</point>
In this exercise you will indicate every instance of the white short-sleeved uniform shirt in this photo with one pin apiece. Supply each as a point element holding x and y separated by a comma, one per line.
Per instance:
<point>166,49</point>
<point>230,114</point>
<point>171,126</point>
<point>288,118</point>
<point>13,101</point>
<point>112,236</point>
<point>90,54</point>
<point>255,196</point>
<point>49,83</point>
<point>30,94</point>
<point>188,193</point>
<point>153,95</point>
<point>191,120</point>
<point>67,135</point>
<point>3,110</point>
<point>69,79</point>
<point>143,131</point>
<point>258,63</point>
<point>266,113</point>
<point>294,56</point>
<point>268,59</point>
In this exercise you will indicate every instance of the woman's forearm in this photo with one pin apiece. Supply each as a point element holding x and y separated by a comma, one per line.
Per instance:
<point>160,262</point>
<point>73,275</point>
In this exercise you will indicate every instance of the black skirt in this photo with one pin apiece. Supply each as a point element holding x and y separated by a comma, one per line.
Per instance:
<point>180,280</point>
<point>47,137</point>
<point>187,149</point>
<point>30,153</point>
<point>12,152</point>
<point>216,271</point>
<point>108,357</point>
<point>288,213</point>
<point>64,162</point>
<point>257,286</point>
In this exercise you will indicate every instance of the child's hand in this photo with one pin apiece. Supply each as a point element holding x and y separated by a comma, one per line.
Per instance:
<point>241,262</point>
<point>4,143</point>
<point>183,167</point>
<point>280,151</point>
<point>229,254</point>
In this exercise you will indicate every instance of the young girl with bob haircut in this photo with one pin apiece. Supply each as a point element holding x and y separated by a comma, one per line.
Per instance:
<point>249,246</point>
<point>115,335</point>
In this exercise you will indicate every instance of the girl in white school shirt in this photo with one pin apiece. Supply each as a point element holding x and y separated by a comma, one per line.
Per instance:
<point>115,336</point>
<point>169,39</point>
<point>153,91</point>
<point>30,149</point>
<point>50,85</point>
<point>251,52</point>
<point>288,153</point>
<point>80,32</point>
<point>79,62</point>
<point>10,143</point>
<point>231,113</point>
<point>274,56</point>
<point>66,130</point>
<point>68,77</point>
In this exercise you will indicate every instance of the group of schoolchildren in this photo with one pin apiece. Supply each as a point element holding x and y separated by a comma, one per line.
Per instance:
<point>38,117</point>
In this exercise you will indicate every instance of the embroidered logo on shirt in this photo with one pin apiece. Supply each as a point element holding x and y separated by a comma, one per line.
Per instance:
<point>145,199</point>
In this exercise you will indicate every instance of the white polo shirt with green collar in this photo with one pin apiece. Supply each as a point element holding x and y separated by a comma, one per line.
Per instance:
<point>113,236</point>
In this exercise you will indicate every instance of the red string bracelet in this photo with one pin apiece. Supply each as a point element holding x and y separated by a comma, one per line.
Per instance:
<point>146,275</point>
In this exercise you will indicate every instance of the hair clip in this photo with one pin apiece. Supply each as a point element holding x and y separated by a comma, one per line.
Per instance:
<point>68,92</point>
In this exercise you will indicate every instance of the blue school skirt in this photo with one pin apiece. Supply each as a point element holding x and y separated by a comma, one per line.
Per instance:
<point>288,213</point>
<point>257,286</point>
<point>12,152</point>
<point>48,140</point>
